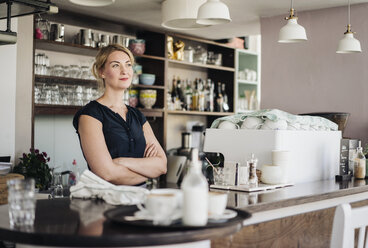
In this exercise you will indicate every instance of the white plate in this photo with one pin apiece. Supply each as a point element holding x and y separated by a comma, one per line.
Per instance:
<point>143,215</point>
<point>228,214</point>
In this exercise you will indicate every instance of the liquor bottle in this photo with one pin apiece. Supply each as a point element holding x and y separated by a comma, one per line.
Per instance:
<point>195,194</point>
<point>188,95</point>
<point>180,92</point>
<point>201,96</point>
<point>212,97</point>
<point>225,105</point>
<point>219,98</point>
<point>359,163</point>
<point>195,96</point>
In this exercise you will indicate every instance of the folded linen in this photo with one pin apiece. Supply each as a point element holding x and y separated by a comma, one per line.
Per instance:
<point>294,122</point>
<point>92,186</point>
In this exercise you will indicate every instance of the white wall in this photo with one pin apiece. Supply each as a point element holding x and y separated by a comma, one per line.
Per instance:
<point>8,54</point>
<point>57,137</point>
<point>310,76</point>
<point>23,102</point>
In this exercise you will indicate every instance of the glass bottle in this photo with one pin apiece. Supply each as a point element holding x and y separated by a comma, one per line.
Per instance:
<point>219,98</point>
<point>74,174</point>
<point>252,164</point>
<point>226,100</point>
<point>195,193</point>
<point>195,96</point>
<point>188,95</point>
<point>360,163</point>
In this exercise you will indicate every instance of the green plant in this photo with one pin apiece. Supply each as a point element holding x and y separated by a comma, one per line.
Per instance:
<point>34,165</point>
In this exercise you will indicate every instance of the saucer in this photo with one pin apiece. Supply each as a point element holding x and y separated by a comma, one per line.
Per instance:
<point>228,214</point>
<point>143,215</point>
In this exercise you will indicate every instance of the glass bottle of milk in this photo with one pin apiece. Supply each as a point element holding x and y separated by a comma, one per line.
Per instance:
<point>195,192</point>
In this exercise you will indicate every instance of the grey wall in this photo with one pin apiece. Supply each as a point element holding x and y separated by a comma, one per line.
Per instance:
<point>310,76</point>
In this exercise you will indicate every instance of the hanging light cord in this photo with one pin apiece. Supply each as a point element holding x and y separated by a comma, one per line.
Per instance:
<point>349,12</point>
<point>292,4</point>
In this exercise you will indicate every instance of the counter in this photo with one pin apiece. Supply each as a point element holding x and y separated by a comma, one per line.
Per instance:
<point>295,216</point>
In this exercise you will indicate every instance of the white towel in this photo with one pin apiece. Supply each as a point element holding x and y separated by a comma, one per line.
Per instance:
<point>92,186</point>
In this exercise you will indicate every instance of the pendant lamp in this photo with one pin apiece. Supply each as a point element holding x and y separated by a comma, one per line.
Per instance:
<point>181,14</point>
<point>349,44</point>
<point>292,32</point>
<point>93,3</point>
<point>213,12</point>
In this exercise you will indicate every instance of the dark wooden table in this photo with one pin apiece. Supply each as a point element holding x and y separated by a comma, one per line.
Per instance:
<point>65,222</point>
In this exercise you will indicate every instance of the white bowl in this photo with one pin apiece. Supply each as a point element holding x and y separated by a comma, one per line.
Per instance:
<point>252,123</point>
<point>228,125</point>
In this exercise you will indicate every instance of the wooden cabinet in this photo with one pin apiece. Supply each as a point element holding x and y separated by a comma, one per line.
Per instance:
<point>154,60</point>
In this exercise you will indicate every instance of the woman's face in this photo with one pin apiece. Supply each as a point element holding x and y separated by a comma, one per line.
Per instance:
<point>118,71</point>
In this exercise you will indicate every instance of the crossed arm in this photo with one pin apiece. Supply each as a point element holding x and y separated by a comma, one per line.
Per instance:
<point>127,171</point>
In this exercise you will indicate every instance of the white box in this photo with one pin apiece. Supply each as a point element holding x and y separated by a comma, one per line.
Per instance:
<point>315,155</point>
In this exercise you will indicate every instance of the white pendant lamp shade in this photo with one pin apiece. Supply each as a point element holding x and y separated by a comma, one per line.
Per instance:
<point>180,14</point>
<point>349,44</point>
<point>292,32</point>
<point>93,3</point>
<point>213,12</point>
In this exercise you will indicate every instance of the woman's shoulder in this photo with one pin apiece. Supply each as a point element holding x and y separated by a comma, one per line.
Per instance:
<point>93,109</point>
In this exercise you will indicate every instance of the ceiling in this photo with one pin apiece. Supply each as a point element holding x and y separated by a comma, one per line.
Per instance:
<point>245,14</point>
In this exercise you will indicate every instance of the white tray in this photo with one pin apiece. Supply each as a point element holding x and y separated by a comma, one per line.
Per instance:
<point>261,187</point>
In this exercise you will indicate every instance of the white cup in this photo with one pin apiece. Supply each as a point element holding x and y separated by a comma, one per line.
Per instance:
<point>228,125</point>
<point>160,207</point>
<point>217,202</point>
<point>252,123</point>
<point>293,126</point>
<point>273,174</point>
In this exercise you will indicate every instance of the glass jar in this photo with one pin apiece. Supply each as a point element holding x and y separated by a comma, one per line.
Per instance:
<point>200,55</point>
<point>188,54</point>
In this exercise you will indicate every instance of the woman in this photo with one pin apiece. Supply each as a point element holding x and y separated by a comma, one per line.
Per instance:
<point>117,141</point>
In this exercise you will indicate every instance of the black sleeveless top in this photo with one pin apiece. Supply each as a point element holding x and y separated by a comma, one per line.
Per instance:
<point>123,138</point>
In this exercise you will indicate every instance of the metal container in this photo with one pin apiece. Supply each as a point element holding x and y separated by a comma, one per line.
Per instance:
<point>85,37</point>
<point>57,32</point>
<point>105,40</point>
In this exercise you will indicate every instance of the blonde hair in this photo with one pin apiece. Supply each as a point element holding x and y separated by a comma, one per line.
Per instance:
<point>101,59</point>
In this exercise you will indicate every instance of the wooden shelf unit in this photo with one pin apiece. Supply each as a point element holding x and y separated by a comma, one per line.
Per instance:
<point>154,61</point>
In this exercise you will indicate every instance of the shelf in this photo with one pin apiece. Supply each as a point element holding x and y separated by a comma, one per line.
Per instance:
<point>243,81</point>
<point>149,57</point>
<point>142,86</point>
<point>65,47</point>
<point>63,80</point>
<point>181,112</point>
<point>201,40</point>
<point>216,67</point>
<point>48,109</point>
<point>152,112</point>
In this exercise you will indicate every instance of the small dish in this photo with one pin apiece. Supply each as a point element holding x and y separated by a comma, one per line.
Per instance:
<point>228,214</point>
<point>142,215</point>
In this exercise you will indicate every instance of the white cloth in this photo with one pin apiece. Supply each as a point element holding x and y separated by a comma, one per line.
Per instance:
<point>92,186</point>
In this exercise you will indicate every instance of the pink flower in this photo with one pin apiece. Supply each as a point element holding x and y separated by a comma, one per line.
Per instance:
<point>37,151</point>
<point>44,154</point>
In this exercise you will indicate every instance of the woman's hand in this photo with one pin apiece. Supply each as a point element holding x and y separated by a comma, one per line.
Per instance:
<point>150,151</point>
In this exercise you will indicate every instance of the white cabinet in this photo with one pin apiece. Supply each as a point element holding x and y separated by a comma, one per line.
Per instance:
<point>247,80</point>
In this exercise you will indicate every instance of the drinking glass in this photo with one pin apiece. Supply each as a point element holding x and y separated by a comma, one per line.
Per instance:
<point>57,186</point>
<point>22,204</point>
